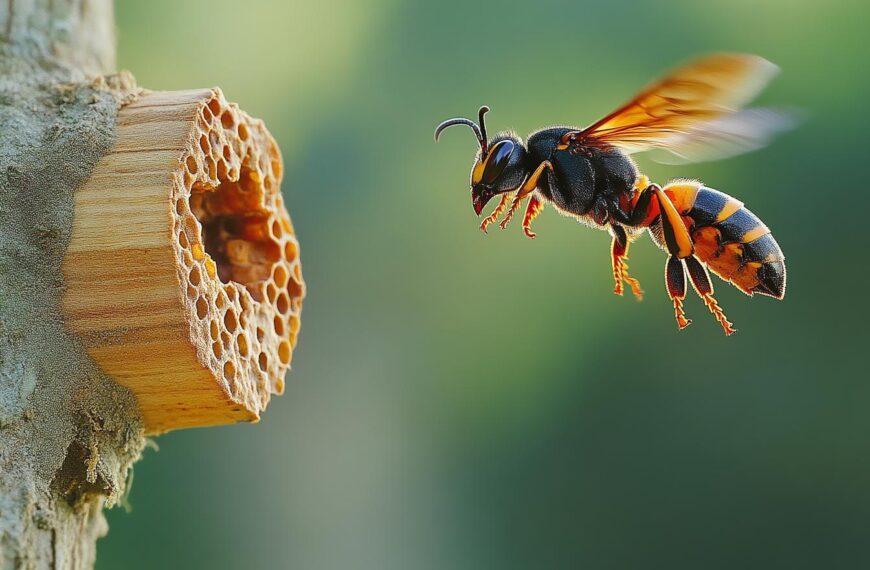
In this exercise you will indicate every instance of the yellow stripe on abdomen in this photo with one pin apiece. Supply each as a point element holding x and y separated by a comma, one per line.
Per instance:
<point>683,194</point>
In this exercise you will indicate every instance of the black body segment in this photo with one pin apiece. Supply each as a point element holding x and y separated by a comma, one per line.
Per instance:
<point>579,181</point>
<point>615,173</point>
<point>763,249</point>
<point>542,144</point>
<point>740,224</point>
<point>708,204</point>
<point>771,279</point>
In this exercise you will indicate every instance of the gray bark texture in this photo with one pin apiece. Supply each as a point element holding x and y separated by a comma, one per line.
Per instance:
<point>68,434</point>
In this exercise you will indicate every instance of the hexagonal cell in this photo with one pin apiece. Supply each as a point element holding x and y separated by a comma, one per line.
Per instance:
<point>226,253</point>
<point>243,237</point>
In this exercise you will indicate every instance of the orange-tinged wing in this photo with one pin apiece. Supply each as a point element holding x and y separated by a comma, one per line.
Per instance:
<point>696,106</point>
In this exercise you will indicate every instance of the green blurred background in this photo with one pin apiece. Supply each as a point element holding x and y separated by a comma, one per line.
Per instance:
<point>470,401</point>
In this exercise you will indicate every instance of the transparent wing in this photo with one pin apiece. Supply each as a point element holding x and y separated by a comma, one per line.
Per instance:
<point>727,136</point>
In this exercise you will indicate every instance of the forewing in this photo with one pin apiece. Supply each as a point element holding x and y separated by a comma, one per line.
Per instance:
<point>696,102</point>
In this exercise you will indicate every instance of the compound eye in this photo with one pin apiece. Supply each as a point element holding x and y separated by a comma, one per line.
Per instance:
<point>497,160</point>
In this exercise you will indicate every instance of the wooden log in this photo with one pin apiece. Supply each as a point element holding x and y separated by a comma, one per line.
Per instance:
<point>182,274</point>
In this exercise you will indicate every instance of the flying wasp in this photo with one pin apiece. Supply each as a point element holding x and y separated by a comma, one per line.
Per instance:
<point>694,114</point>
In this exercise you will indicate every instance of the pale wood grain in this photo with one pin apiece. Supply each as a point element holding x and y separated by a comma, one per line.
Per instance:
<point>149,301</point>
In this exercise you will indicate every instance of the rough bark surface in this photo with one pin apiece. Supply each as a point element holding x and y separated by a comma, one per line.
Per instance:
<point>68,434</point>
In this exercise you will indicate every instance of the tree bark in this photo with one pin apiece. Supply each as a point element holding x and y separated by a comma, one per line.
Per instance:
<point>68,434</point>
<point>150,243</point>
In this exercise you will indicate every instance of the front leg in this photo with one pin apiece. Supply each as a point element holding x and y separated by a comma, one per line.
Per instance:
<point>527,188</point>
<point>505,198</point>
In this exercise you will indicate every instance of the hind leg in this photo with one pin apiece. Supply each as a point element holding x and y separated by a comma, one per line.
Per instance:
<point>704,288</point>
<point>619,257</point>
<point>675,280</point>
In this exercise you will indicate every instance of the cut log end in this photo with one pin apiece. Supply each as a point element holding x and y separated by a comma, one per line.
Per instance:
<point>183,275</point>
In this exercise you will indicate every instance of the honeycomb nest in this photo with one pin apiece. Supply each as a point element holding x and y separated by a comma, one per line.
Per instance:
<point>236,252</point>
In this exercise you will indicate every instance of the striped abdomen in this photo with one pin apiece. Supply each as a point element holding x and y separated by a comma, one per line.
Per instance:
<point>730,239</point>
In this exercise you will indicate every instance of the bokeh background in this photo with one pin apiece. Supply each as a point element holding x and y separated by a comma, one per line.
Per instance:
<point>470,401</point>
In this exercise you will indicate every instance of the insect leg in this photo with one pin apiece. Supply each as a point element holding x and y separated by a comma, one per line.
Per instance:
<point>514,207</point>
<point>675,279</point>
<point>704,287</point>
<point>533,208</point>
<point>677,238</point>
<point>505,199</point>
<point>527,188</point>
<point>619,256</point>
<point>641,209</point>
